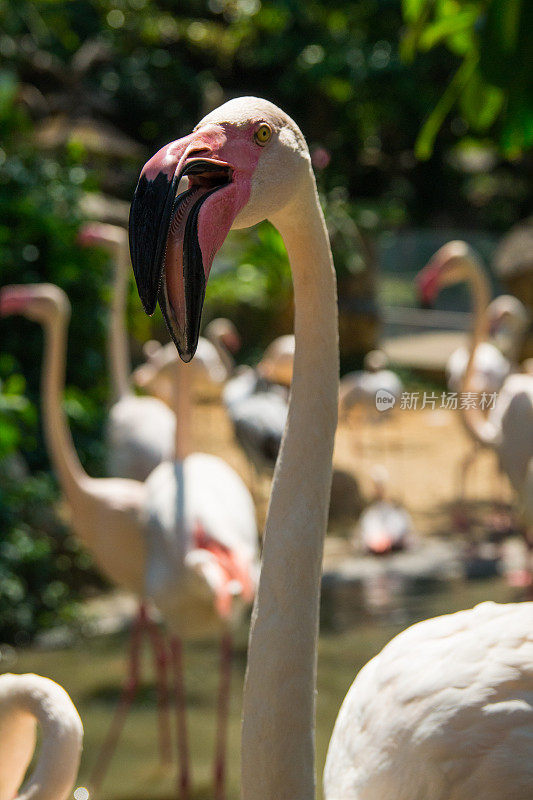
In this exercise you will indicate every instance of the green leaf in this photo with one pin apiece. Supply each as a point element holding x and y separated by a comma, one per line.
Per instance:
<point>480,103</point>
<point>439,31</point>
<point>426,138</point>
<point>413,9</point>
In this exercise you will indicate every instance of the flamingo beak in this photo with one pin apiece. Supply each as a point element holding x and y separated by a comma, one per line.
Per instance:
<point>427,285</point>
<point>175,236</point>
<point>14,299</point>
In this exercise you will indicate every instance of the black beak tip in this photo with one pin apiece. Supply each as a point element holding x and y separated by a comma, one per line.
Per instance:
<point>186,355</point>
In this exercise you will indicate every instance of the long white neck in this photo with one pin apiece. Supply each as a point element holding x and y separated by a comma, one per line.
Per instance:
<point>278,747</point>
<point>25,700</point>
<point>223,352</point>
<point>475,422</point>
<point>70,472</point>
<point>182,408</point>
<point>117,343</point>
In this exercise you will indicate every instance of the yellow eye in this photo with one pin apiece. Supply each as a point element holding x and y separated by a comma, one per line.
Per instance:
<point>263,134</point>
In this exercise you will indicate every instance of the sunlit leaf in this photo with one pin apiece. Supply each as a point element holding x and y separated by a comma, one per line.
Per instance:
<point>480,103</point>
<point>444,28</point>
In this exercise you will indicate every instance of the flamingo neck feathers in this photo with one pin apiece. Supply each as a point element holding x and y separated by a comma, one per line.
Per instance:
<point>24,701</point>
<point>278,747</point>
<point>476,423</point>
<point>223,352</point>
<point>117,343</point>
<point>70,472</point>
<point>182,407</point>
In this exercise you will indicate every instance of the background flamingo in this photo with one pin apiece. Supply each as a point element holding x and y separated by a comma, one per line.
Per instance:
<point>156,538</point>
<point>213,364</point>
<point>453,263</point>
<point>27,701</point>
<point>140,430</point>
<point>384,526</point>
<point>508,427</point>
<point>360,388</point>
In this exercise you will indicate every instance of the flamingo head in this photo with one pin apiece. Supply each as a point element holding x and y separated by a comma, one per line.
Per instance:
<point>225,331</point>
<point>444,268</point>
<point>507,316</point>
<point>101,234</point>
<point>156,375</point>
<point>244,162</point>
<point>40,302</point>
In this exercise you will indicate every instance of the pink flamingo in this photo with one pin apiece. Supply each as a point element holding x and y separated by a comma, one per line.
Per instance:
<point>508,427</point>
<point>250,162</point>
<point>186,538</point>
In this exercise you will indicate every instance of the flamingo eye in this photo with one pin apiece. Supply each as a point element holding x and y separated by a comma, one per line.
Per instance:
<point>263,134</point>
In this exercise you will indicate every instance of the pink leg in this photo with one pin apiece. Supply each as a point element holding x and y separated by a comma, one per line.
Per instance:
<point>461,517</point>
<point>126,699</point>
<point>184,781</point>
<point>161,666</point>
<point>222,716</point>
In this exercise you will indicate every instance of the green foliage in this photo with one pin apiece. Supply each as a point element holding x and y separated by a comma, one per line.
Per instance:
<point>40,564</point>
<point>493,84</point>
<point>39,561</point>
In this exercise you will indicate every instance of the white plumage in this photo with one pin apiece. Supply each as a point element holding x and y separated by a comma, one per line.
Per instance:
<point>490,368</point>
<point>140,431</point>
<point>199,495</point>
<point>444,712</point>
<point>362,386</point>
<point>384,526</point>
<point>25,701</point>
<point>509,429</point>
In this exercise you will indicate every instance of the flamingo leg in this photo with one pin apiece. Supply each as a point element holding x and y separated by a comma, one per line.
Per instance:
<point>461,517</point>
<point>126,699</point>
<point>184,780</point>
<point>161,667</point>
<point>226,650</point>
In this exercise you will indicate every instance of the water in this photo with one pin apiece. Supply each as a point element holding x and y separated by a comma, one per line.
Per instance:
<point>93,669</point>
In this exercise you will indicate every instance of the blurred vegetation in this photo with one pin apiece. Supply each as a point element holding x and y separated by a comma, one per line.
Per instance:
<point>493,83</point>
<point>88,88</point>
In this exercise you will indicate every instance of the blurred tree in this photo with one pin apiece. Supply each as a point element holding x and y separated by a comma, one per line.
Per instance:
<point>40,564</point>
<point>493,84</point>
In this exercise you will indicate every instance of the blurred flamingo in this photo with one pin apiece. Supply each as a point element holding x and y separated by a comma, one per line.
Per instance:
<point>27,700</point>
<point>384,526</point>
<point>508,427</point>
<point>140,431</point>
<point>186,538</point>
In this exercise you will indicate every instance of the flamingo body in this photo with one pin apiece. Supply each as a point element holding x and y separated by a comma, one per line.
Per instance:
<point>140,433</point>
<point>384,526</point>
<point>186,580</point>
<point>490,368</point>
<point>512,418</point>
<point>278,359</point>
<point>444,712</point>
<point>258,415</point>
